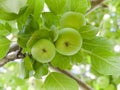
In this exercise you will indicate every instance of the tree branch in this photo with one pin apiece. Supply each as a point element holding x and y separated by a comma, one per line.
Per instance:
<point>13,47</point>
<point>13,54</point>
<point>95,5</point>
<point>80,82</point>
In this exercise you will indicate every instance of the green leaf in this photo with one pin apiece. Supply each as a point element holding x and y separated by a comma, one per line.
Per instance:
<point>48,19</point>
<point>110,87</point>
<point>38,7</point>
<point>78,5</point>
<point>104,62</point>
<point>29,28</point>
<point>102,55</point>
<point>7,15</point>
<point>39,34</point>
<point>40,69</point>
<point>54,33</point>
<point>28,11</point>
<point>56,6</point>
<point>8,27</point>
<point>26,67</point>
<point>23,10</point>
<point>61,61</point>
<point>59,81</point>
<point>4,46</point>
<point>4,29</point>
<point>88,32</point>
<point>66,62</point>
<point>97,42</point>
<point>33,7</point>
<point>28,63</point>
<point>24,73</point>
<point>16,5</point>
<point>77,58</point>
<point>116,79</point>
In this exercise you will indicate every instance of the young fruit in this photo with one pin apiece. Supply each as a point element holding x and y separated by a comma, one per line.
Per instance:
<point>103,81</point>
<point>43,51</point>
<point>73,20</point>
<point>110,87</point>
<point>69,41</point>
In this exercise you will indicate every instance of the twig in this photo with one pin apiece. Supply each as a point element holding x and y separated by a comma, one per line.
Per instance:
<point>13,47</point>
<point>12,54</point>
<point>95,6</point>
<point>80,82</point>
<point>10,57</point>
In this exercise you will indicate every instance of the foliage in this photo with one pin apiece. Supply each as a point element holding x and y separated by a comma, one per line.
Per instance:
<point>30,22</point>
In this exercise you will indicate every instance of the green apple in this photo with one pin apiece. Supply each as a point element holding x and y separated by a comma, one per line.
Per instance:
<point>69,41</point>
<point>110,87</point>
<point>73,20</point>
<point>43,51</point>
<point>102,81</point>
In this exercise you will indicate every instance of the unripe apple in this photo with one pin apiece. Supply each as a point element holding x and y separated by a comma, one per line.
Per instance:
<point>110,87</point>
<point>102,81</point>
<point>43,51</point>
<point>73,20</point>
<point>69,41</point>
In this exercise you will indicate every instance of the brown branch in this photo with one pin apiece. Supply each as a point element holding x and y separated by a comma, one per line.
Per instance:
<point>80,82</point>
<point>3,62</point>
<point>13,47</point>
<point>95,5</point>
<point>13,54</point>
<point>10,57</point>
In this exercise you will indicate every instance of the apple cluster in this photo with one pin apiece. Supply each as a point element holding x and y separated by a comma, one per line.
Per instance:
<point>69,40</point>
